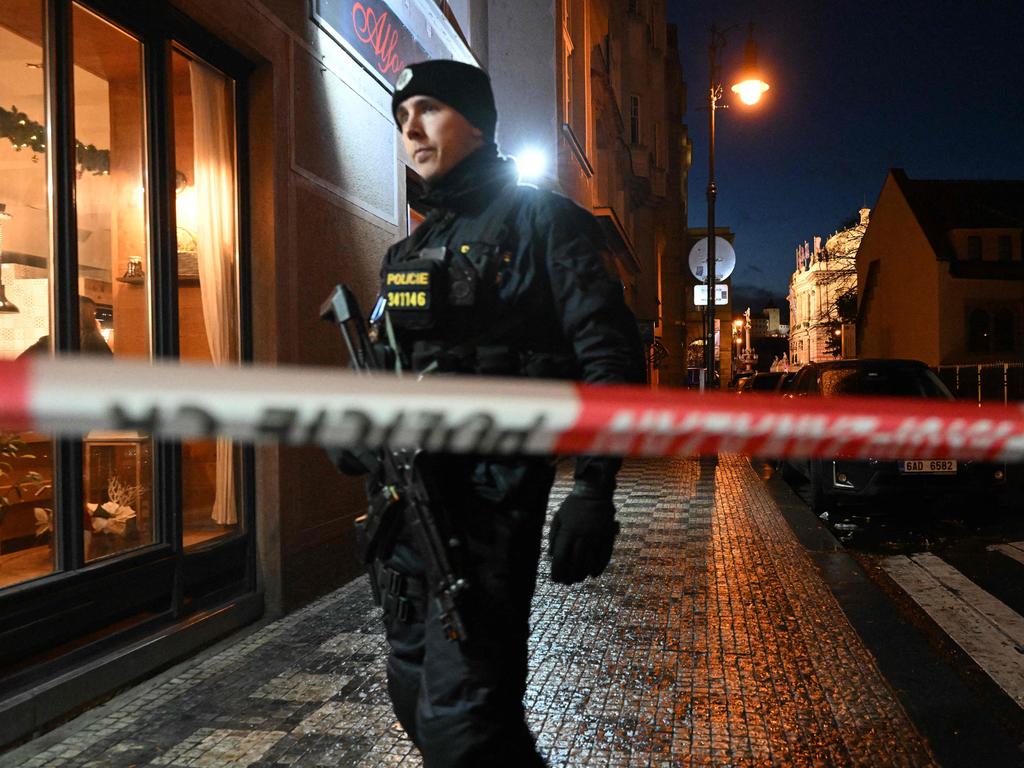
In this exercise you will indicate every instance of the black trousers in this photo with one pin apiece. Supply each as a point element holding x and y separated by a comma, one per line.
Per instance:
<point>462,702</point>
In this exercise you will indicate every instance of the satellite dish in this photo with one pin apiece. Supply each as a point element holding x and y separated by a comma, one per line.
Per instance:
<point>725,259</point>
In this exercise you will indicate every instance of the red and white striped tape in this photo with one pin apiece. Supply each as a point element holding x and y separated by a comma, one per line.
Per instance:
<point>71,396</point>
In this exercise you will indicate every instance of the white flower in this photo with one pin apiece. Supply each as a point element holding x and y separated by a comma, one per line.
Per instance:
<point>110,517</point>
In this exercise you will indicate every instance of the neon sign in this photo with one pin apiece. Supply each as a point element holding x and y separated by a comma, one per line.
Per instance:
<point>371,30</point>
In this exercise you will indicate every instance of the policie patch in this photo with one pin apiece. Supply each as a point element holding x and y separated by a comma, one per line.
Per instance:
<point>408,289</point>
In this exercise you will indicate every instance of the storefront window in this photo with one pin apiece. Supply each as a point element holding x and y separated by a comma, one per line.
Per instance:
<point>26,463</point>
<point>113,269</point>
<point>206,208</point>
<point>114,307</point>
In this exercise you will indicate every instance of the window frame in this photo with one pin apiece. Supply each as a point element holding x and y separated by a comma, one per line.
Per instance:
<point>160,581</point>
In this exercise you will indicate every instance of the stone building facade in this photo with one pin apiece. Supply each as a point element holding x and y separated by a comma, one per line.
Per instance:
<point>623,153</point>
<point>822,293</point>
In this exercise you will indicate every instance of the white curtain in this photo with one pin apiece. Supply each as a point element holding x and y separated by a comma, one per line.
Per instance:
<point>216,245</point>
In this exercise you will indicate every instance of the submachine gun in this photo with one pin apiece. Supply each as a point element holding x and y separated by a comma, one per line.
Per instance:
<point>402,489</point>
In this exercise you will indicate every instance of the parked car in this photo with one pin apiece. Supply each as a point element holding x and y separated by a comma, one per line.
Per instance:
<point>850,480</point>
<point>785,383</point>
<point>762,381</point>
<point>741,380</point>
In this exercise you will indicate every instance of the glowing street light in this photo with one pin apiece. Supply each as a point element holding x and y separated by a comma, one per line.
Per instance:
<point>750,85</point>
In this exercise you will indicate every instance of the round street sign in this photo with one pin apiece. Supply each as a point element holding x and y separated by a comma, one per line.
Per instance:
<point>725,259</point>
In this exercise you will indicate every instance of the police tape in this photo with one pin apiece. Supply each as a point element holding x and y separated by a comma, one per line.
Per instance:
<point>70,396</point>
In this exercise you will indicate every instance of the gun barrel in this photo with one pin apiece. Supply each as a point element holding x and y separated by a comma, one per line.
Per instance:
<point>342,307</point>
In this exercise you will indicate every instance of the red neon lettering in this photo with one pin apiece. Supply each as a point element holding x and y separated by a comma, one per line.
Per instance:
<point>378,32</point>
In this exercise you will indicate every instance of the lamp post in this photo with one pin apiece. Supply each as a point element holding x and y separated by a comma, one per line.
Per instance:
<point>749,88</point>
<point>737,332</point>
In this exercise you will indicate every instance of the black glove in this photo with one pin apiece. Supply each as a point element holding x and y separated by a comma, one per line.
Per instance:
<point>582,533</point>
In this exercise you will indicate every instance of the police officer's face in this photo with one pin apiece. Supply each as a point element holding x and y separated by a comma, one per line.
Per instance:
<point>436,137</point>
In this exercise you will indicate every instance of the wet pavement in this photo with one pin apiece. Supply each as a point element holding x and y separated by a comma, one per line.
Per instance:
<point>710,640</point>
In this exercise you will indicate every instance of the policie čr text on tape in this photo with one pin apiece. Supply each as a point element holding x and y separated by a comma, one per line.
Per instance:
<point>70,396</point>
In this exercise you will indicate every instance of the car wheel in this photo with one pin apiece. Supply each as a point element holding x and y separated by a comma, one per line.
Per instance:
<point>821,500</point>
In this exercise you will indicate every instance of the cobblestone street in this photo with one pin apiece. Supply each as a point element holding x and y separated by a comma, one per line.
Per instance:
<point>710,640</point>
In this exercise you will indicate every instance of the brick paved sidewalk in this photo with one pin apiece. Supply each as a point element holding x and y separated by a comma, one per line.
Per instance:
<point>711,640</point>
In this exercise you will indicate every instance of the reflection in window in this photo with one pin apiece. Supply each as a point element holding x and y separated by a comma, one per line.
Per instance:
<point>26,464</point>
<point>883,382</point>
<point>204,138</point>
<point>113,269</point>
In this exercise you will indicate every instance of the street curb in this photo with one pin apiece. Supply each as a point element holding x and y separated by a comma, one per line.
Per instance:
<point>940,704</point>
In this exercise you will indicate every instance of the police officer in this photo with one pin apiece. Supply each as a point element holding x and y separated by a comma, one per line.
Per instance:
<point>507,280</point>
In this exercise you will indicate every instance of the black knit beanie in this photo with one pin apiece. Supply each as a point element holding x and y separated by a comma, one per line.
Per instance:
<point>465,88</point>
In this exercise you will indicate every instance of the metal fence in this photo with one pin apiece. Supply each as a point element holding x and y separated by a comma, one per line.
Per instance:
<point>993,383</point>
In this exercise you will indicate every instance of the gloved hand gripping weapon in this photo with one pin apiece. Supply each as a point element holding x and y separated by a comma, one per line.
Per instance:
<point>401,482</point>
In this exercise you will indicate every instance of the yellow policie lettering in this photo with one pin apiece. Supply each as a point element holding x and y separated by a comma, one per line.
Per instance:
<point>407,299</point>
<point>408,278</point>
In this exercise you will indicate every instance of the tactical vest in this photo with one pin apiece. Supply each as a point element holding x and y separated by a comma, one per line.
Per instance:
<point>439,302</point>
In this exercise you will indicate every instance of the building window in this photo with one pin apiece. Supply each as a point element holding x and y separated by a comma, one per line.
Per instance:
<point>207,234</point>
<point>1005,248</point>
<point>118,317</point>
<point>978,330</point>
<point>26,458</point>
<point>634,7</point>
<point>1004,331</point>
<point>634,120</point>
<point>974,248</point>
<point>111,205</point>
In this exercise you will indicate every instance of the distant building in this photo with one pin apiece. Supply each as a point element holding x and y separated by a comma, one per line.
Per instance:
<point>941,272</point>
<point>822,295</point>
<point>765,324</point>
<point>605,96</point>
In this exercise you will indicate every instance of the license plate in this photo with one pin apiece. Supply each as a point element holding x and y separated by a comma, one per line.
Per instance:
<point>928,466</point>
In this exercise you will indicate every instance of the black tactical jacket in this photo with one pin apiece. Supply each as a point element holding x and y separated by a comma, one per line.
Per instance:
<point>546,304</point>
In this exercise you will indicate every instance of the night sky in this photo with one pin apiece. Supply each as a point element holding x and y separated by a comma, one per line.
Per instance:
<point>932,86</point>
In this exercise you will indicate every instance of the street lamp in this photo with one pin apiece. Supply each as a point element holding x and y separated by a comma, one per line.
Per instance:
<point>750,88</point>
